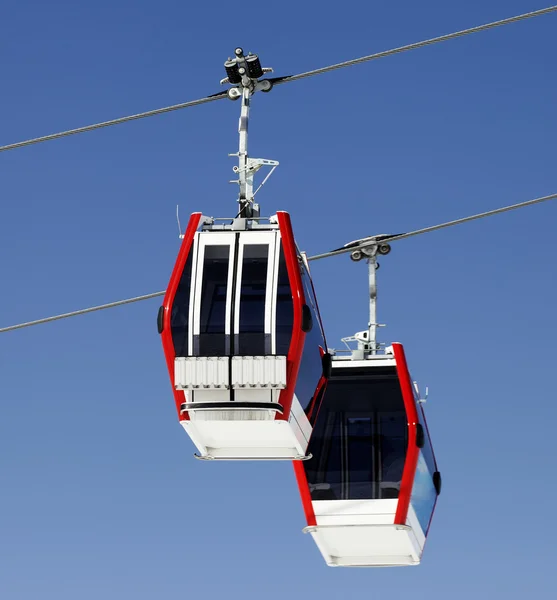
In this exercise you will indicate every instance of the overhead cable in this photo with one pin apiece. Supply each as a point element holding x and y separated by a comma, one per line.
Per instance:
<point>315,257</point>
<point>281,80</point>
<point>403,236</point>
<point>416,45</point>
<point>143,115</point>
<point>83,311</point>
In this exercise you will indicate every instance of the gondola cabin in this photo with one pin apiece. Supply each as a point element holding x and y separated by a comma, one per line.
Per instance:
<point>243,340</point>
<point>370,488</point>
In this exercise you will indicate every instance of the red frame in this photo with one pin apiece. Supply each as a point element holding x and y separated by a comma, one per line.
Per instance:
<point>294,356</point>
<point>412,453</point>
<point>166,335</point>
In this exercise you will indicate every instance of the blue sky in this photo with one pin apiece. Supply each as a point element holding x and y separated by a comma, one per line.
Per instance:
<point>101,496</point>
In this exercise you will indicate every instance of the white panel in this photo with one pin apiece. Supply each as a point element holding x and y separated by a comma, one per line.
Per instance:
<point>380,360</point>
<point>194,286</point>
<point>226,439</point>
<point>362,533</point>
<point>273,305</point>
<point>366,545</point>
<point>270,290</point>
<point>206,395</point>
<point>238,291</point>
<point>259,372</point>
<point>198,372</point>
<point>298,415</point>
<point>350,508</point>
<point>256,395</point>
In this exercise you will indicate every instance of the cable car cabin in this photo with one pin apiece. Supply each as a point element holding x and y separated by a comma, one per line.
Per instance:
<point>370,488</point>
<point>243,340</point>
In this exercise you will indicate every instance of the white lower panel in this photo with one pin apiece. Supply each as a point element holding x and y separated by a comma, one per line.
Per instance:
<point>361,533</point>
<point>236,434</point>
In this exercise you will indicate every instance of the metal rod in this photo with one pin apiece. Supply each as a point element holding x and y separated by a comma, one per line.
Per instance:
<point>243,150</point>
<point>372,268</point>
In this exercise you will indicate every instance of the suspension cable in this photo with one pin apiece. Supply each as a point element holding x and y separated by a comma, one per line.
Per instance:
<point>83,311</point>
<point>281,80</point>
<point>143,115</point>
<point>416,45</point>
<point>315,257</point>
<point>403,236</point>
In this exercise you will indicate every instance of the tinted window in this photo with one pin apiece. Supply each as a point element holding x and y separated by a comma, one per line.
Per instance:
<point>311,368</point>
<point>212,340</point>
<point>179,319</point>
<point>424,495</point>
<point>393,441</point>
<point>285,309</point>
<point>427,450</point>
<point>251,340</point>
<point>361,456</point>
<point>359,440</point>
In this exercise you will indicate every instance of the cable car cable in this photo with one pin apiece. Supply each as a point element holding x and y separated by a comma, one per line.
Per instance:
<point>143,115</point>
<point>83,311</point>
<point>285,79</point>
<point>310,258</point>
<point>416,45</point>
<point>403,236</point>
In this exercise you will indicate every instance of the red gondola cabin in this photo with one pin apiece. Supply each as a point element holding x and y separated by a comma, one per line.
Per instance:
<point>370,488</point>
<point>243,340</point>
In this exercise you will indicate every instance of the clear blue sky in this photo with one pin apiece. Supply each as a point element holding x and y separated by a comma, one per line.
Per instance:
<point>100,494</point>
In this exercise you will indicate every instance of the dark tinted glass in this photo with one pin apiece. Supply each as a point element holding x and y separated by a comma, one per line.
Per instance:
<point>424,495</point>
<point>285,309</point>
<point>427,450</point>
<point>311,367</point>
<point>361,454</point>
<point>179,319</point>
<point>359,440</point>
<point>212,339</point>
<point>251,340</point>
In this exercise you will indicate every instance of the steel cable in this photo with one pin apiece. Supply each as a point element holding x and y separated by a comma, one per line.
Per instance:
<point>416,45</point>
<point>143,115</point>
<point>311,258</point>
<point>403,236</point>
<point>281,80</point>
<point>83,311</point>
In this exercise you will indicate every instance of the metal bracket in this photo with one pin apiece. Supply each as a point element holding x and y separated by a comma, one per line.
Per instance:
<point>244,74</point>
<point>420,399</point>
<point>368,248</point>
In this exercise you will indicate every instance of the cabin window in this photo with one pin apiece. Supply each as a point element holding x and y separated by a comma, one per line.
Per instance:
<point>359,440</point>
<point>212,338</point>
<point>285,309</point>
<point>424,494</point>
<point>311,367</point>
<point>252,340</point>
<point>179,319</point>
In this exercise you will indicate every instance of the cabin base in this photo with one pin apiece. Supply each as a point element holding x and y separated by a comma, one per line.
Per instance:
<point>362,533</point>
<point>366,546</point>
<point>244,434</point>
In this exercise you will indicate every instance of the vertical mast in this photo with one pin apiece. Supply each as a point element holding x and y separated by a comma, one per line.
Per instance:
<point>368,248</point>
<point>372,325</point>
<point>244,73</point>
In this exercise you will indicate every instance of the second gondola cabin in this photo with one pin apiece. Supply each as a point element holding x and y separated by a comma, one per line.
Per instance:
<point>370,488</point>
<point>243,339</point>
